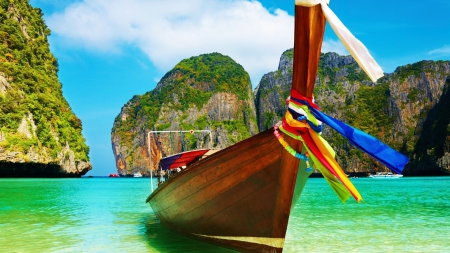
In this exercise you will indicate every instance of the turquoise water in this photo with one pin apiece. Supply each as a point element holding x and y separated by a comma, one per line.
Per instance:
<point>109,215</point>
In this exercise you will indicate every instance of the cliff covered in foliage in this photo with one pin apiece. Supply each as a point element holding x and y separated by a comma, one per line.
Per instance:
<point>207,92</point>
<point>40,136</point>
<point>408,109</point>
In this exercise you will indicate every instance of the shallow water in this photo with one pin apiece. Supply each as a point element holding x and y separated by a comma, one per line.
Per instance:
<point>398,215</point>
<point>110,215</point>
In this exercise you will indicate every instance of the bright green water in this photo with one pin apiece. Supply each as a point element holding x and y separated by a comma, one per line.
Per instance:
<point>109,215</point>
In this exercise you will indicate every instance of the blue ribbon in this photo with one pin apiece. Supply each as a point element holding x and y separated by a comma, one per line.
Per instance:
<point>392,159</point>
<point>300,117</point>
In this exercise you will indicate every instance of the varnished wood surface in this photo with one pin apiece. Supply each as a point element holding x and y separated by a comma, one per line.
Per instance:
<point>244,190</point>
<point>309,30</point>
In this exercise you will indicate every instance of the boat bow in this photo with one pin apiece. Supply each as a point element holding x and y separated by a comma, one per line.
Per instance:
<point>241,197</point>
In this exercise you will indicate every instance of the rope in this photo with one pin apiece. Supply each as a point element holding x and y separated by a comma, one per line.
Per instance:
<point>290,150</point>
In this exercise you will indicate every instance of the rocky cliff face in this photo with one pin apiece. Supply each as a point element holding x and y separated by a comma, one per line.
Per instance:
<point>39,134</point>
<point>272,92</point>
<point>207,92</point>
<point>408,109</point>
<point>420,102</point>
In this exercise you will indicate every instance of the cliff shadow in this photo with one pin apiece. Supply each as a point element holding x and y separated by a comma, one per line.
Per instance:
<point>431,142</point>
<point>33,170</point>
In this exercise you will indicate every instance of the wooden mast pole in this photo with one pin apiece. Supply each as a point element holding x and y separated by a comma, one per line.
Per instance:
<point>309,30</point>
<point>308,37</point>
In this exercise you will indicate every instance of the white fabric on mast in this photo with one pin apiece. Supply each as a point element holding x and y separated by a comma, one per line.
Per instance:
<point>353,45</point>
<point>310,3</point>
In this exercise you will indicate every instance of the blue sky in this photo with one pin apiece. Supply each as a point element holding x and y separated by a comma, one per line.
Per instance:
<point>111,50</point>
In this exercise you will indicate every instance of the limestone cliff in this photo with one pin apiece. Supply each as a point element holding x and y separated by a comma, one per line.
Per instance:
<point>408,109</point>
<point>207,92</point>
<point>40,136</point>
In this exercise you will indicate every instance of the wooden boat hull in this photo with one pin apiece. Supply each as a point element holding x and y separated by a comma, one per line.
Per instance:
<point>239,198</point>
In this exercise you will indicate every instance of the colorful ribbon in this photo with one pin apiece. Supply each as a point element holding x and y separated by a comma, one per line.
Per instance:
<point>290,150</point>
<point>392,159</point>
<point>322,156</point>
<point>303,121</point>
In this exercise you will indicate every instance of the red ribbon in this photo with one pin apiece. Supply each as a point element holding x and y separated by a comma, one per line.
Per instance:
<point>298,95</point>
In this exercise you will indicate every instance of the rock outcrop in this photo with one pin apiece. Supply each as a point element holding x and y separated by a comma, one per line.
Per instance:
<point>408,109</point>
<point>40,136</point>
<point>207,92</point>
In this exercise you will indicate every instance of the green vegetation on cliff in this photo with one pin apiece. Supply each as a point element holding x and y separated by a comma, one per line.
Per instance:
<point>408,110</point>
<point>209,91</point>
<point>191,82</point>
<point>371,107</point>
<point>33,112</point>
<point>212,71</point>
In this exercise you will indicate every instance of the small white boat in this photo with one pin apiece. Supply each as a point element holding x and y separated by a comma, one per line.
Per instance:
<point>137,174</point>
<point>385,175</point>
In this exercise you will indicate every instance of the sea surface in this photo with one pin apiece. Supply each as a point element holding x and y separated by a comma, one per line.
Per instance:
<point>110,215</point>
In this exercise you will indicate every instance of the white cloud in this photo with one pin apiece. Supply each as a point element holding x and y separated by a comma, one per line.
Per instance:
<point>443,51</point>
<point>336,46</point>
<point>168,31</point>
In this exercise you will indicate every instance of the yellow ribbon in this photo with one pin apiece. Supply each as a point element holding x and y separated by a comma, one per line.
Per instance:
<point>342,186</point>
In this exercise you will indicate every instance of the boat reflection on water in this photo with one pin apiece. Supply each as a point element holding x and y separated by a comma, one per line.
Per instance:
<point>163,239</point>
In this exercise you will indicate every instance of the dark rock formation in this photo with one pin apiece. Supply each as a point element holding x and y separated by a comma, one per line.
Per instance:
<point>408,109</point>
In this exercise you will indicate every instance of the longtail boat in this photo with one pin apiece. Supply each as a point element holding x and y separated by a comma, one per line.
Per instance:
<point>241,197</point>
